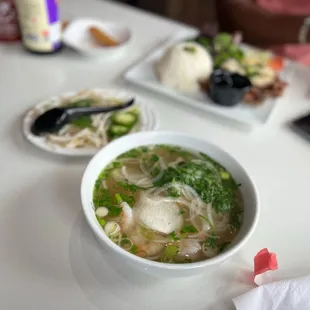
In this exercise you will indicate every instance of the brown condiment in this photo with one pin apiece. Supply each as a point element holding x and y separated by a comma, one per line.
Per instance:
<point>101,38</point>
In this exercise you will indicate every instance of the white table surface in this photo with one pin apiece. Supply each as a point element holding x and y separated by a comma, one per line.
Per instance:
<point>49,258</point>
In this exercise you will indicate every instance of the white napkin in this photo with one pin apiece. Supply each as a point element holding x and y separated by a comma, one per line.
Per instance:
<point>291,294</point>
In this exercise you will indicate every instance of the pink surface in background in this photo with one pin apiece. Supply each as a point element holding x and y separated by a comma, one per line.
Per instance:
<point>299,52</point>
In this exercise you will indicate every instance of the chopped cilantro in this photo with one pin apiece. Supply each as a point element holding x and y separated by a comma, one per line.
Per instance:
<point>211,242</point>
<point>129,199</point>
<point>204,181</point>
<point>134,249</point>
<point>173,236</point>
<point>102,198</point>
<point>189,229</point>
<point>117,164</point>
<point>154,158</point>
<point>134,153</point>
<point>82,122</point>
<point>174,192</point>
<point>87,102</point>
<point>129,187</point>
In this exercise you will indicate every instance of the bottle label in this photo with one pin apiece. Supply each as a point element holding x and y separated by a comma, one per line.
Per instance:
<point>40,25</point>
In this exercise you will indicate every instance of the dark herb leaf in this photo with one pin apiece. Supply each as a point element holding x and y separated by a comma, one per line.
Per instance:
<point>82,122</point>
<point>211,242</point>
<point>173,236</point>
<point>189,229</point>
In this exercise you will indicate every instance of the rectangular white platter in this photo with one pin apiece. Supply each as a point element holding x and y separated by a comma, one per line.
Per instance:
<point>141,74</point>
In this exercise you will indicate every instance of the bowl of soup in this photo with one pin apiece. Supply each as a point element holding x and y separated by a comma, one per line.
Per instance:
<point>168,204</point>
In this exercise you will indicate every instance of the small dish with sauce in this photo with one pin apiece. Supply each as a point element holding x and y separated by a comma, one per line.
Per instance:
<point>227,89</point>
<point>97,38</point>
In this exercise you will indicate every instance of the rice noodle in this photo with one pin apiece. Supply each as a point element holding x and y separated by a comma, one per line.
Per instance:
<point>144,179</point>
<point>71,136</point>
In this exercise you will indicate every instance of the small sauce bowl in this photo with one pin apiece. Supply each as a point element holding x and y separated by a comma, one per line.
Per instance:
<point>226,88</point>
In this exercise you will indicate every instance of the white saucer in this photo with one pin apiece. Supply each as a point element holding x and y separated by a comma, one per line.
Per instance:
<point>77,37</point>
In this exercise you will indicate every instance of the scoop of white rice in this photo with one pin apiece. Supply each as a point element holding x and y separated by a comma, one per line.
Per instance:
<point>183,65</point>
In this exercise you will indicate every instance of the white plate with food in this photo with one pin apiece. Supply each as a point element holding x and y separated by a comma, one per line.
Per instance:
<point>182,67</point>
<point>97,38</point>
<point>88,134</point>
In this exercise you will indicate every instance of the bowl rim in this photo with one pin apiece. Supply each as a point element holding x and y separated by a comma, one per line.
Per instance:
<point>99,233</point>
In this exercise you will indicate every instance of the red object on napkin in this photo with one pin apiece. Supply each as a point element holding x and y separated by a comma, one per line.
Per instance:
<point>264,261</point>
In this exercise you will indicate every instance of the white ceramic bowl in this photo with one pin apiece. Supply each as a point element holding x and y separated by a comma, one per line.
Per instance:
<point>120,256</point>
<point>77,37</point>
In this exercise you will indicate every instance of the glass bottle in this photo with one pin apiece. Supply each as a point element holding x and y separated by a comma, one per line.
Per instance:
<point>40,25</point>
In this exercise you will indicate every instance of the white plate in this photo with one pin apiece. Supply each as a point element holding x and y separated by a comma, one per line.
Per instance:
<point>77,37</point>
<point>148,117</point>
<point>142,74</point>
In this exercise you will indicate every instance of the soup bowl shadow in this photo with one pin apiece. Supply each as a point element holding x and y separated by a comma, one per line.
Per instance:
<point>117,254</point>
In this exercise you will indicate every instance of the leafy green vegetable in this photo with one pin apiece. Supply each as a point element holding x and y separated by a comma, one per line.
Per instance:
<point>189,229</point>
<point>174,192</point>
<point>117,164</point>
<point>222,41</point>
<point>211,242</point>
<point>173,236</point>
<point>171,251</point>
<point>134,249</point>
<point>109,169</point>
<point>205,42</point>
<point>129,187</point>
<point>82,122</point>
<point>102,198</point>
<point>154,158</point>
<point>134,153</point>
<point>222,48</point>
<point>82,103</point>
<point>105,174</point>
<point>204,181</point>
<point>129,199</point>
